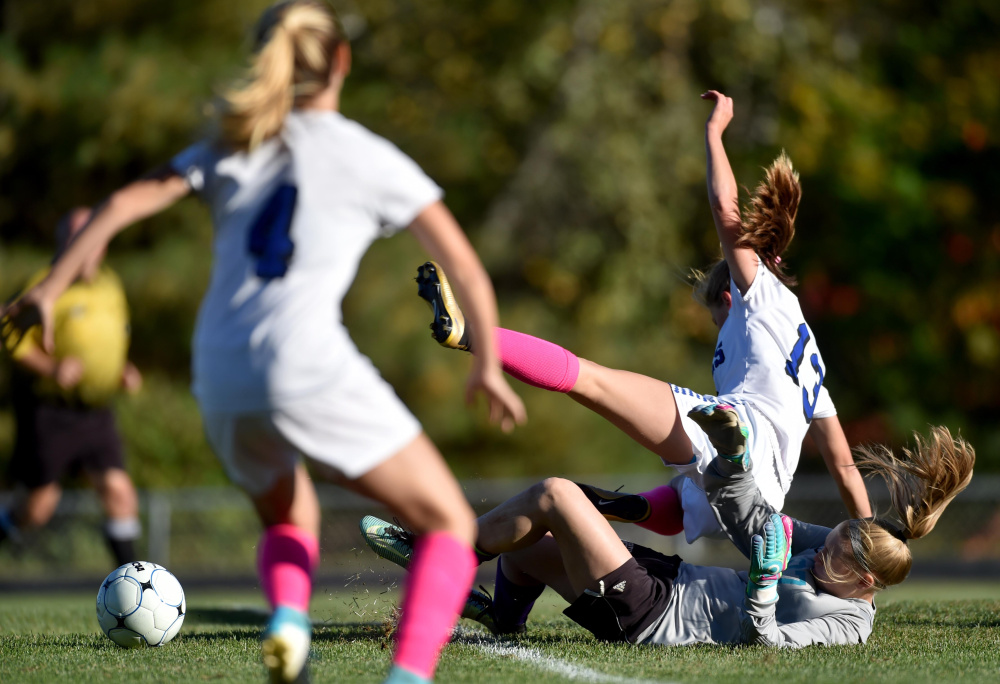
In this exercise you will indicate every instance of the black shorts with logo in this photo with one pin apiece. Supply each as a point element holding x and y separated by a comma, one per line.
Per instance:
<point>635,596</point>
<point>55,439</point>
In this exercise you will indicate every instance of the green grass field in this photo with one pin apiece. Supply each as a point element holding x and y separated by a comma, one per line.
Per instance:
<point>924,632</point>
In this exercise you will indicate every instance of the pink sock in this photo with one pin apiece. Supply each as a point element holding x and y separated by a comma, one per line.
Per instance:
<point>666,515</point>
<point>537,362</point>
<point>288,555</point>
<point>436,589</point>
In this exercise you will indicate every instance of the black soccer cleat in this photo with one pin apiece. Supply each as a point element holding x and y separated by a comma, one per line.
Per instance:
<point>616,506</point>
<point>448,326</point>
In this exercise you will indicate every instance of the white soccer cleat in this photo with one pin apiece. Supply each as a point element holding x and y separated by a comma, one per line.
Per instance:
<point>285,645</point>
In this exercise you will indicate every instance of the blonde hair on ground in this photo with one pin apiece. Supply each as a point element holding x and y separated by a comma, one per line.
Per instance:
<point>293,54</point>
<point>921,485</point>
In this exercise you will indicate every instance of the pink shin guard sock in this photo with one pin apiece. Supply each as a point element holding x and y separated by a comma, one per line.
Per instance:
<point>536,361</point>
<point>436,589</point>
<point>666,516</point>
<point>288,555</point>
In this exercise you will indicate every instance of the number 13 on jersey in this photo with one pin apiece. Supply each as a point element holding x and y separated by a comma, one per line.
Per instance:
<point>793,365</point>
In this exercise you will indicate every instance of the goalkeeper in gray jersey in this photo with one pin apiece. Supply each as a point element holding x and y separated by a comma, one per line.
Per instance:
<point>806,584</point>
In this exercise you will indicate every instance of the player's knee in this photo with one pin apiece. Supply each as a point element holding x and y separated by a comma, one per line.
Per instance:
<point>554,493</point>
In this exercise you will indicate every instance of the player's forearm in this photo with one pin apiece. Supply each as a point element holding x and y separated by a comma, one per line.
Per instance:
<point>475,290</point>
<point>853,491</point>
<point>38,362</point>
<point>836,452</point>
<point>722,189</point>
<point>134,202</point>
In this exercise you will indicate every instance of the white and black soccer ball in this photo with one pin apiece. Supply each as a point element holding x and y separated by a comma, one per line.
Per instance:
<point>141,604</point>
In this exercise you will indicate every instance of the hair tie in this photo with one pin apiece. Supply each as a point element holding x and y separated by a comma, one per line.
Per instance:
<point>777,259</point>
<point>891,528</point>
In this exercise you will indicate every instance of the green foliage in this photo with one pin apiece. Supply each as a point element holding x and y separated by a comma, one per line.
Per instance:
<point>568,136</point>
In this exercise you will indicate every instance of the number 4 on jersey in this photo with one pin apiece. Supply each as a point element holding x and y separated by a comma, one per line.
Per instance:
<point>269,239</point>
<point>792,366</point>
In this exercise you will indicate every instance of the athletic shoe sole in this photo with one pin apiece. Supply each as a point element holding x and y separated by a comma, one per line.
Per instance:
<point>448,326</point>
<point>387,540</point>
<point>727,433</point>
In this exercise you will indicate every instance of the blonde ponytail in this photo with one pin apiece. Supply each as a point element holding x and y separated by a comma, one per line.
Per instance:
<point>921,485</point>
<point>294,51</point>
<point>925,480</point>
<point>769,217</point>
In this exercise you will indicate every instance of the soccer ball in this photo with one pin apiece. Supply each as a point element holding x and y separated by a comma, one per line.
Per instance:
<point>140,604</point>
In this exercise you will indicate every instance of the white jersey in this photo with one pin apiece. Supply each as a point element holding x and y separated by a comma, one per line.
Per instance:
<point>767,356</point>
<point>292,221</point>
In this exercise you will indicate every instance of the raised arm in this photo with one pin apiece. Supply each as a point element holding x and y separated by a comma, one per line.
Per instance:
<point>439,233</point>
<point>832,444</point>
<point>723,193</point>
<point>136,201</point>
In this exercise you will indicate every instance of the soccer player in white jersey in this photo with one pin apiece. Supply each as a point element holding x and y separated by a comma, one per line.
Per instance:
<point>766,364</point>
<point>806,584</point>
<point>297,193</point>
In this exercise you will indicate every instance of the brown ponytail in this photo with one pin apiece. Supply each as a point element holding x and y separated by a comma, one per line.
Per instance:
<point>921,485</point>
<point>294,50</point>
<point>769,217</point>
<point>768,227</point>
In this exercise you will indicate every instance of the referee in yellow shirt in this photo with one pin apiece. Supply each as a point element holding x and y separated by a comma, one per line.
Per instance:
<point>64,423</point>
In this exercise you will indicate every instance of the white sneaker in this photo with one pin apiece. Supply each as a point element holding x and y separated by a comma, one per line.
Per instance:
<point>285,645</point>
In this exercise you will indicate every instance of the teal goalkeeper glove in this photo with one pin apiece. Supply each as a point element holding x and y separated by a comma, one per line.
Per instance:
<point>769,557</point>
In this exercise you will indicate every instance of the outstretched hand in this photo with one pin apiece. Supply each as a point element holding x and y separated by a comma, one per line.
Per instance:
<point>721,114</point>
<point>506,408</point>
<point>22,314</point>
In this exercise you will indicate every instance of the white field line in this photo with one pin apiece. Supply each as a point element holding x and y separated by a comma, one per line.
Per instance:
<point>564,668</point>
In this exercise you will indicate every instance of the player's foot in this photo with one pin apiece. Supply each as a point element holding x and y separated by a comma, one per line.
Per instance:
<point>285,646</point>
<point>398,675</point>
<point>479,607</point>
<point>727,433</point>
<point>389,541</point>
<point>616,506</point>
<point>448,326</point>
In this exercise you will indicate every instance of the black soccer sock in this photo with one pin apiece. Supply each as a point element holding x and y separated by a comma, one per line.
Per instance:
<point>512,602</point>
<point>120,534</point>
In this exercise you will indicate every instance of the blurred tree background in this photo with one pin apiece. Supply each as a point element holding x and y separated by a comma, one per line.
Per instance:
<point>569,139</point>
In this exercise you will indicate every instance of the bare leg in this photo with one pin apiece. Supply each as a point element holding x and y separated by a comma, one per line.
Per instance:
<point>417,485</point>
<point>38,507</point>
<point>587,544</point>
<point>642,407</point>
<point>540,563</point>
<point>117,493</point>
<point>290,501</point>
<point>121,506</point>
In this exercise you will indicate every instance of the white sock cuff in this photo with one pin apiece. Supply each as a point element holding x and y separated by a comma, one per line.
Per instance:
<point>123,529</point>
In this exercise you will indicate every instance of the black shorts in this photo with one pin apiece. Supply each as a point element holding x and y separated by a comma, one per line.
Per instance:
<point>635,596</point>
<point>53,440</point>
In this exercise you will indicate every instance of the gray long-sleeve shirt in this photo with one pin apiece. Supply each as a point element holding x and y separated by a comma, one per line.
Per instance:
<point>710,605</point>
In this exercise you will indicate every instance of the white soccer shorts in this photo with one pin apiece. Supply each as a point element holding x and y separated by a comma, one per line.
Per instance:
<point>350,427</point>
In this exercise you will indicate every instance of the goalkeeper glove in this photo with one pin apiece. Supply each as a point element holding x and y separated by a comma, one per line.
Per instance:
<point>769,557</point>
